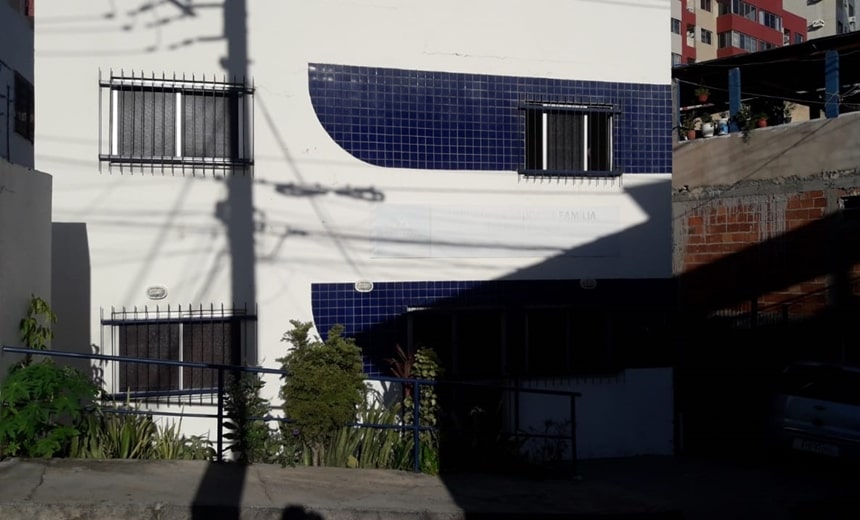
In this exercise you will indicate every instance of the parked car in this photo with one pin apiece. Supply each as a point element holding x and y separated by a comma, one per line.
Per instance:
<point>817,410</point>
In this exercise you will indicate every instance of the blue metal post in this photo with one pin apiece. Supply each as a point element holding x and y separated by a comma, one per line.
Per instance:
<point>416,399</point>
<point>831,84</point>
<point>734,97</point>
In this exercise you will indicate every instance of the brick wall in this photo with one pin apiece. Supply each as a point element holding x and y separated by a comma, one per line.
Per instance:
<point>784,250</point>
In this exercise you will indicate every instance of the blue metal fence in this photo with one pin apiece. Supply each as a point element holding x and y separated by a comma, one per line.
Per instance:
<point>219,393</point>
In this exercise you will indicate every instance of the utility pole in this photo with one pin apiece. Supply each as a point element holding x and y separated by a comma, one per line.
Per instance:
<point>239,218</point>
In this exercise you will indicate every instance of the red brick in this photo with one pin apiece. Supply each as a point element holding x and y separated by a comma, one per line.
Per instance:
<point>821,202</point>
<point>794,203</point>
<point>695,220</point>
<point>743,228</point>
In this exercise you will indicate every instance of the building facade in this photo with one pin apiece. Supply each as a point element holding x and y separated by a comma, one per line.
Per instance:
<point>707,29</point>
<point>25,194</point>
<point>470,182</point>
<point>825,17</point>
<point>16,83</point>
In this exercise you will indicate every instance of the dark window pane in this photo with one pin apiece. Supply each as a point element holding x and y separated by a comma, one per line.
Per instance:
<point>534,140</point>
<point>147,123</point>
<point>547,336</point>
<point>24,108</point>
<point>206,342</point>
<point>152,341</point>
<point>565,141</point>
<point>209,125</point>
<point>599,149</point>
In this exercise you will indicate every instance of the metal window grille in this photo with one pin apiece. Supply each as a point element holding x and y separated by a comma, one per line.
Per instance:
<point>212,334</point>
<point>569,140</point>
<point>175,124</point>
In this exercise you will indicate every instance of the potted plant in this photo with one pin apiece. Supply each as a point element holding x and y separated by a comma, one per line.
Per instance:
<point>687,127</point>
<point>760,119</point>
<point>787,108</point>
<point>743,118</point>
<point>707,125</point>
<point>702,94</point>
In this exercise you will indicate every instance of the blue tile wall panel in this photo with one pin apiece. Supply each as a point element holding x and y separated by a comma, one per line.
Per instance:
<point>362,312</point>
<point>453,121</point>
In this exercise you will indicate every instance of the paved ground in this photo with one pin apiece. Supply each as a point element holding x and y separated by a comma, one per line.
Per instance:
<point>643,487</point>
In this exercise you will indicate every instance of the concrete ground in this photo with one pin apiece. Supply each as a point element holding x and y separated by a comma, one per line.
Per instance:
<point>642,487</point>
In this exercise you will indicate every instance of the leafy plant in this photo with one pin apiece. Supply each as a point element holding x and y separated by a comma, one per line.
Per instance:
<point>169,444</point>
<point>324,386</point>
<point>422,364</point>
<point>119,434</point>
<point>245,409</point>
<point>40,408</point>
<point>35,326</point>
<point>123,432</point>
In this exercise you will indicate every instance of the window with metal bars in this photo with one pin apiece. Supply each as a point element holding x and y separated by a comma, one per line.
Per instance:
<point>569,139</point>
<point>176,123</point>
<point>214,336</point>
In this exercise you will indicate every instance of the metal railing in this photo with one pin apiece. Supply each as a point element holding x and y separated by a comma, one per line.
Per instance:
<point>416,428</point>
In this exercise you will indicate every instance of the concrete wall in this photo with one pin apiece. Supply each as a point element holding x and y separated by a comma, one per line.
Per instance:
<point>623,415</point>
<point>25,247</point>
<point>807,149</point>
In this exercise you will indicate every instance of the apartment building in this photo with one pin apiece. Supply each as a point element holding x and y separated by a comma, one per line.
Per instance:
<point>456,175</point>
<point>706,29</point>
<point>825,17</point>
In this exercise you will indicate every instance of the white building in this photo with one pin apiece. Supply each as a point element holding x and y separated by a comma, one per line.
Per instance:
<point>442,173</point>
<point>825,17</point>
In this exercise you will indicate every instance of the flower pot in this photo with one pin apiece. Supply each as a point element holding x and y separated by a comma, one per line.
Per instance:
<point>761,123</point>
<point>723,127</point>
<point>707,129</point>
<point>703,98</point>
<point>691,134</point>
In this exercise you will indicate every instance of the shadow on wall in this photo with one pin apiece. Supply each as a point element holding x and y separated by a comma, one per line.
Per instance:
<point>70,290</point>
<point>732,350</point>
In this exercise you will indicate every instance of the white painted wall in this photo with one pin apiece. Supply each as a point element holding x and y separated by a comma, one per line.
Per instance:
<point>623,415</point>
<point>25,248</point>
<point>147,230</point>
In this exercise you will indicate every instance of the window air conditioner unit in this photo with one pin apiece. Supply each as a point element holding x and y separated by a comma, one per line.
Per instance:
<point>816,24</point>
<point>852,19</point>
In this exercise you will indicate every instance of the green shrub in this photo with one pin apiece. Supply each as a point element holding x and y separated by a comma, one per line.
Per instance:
<point>247,431</point>
<point>324,386</point>
<point>40,409</point>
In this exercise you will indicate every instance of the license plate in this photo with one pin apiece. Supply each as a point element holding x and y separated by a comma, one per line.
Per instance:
<point>816,447</point>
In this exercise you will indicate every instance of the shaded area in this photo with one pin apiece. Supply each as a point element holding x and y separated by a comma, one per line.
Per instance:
<point>795,72</point>
<point>734,347</point>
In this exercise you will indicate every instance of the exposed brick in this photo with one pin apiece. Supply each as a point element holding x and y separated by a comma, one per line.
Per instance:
<point>695,220</point>
<point>821,202</point>
<point>796,214</point>
<point>794,203</point>
<point>739,228</point>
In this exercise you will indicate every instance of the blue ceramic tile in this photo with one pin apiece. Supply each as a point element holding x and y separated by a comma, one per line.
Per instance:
<point>440,120</point>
